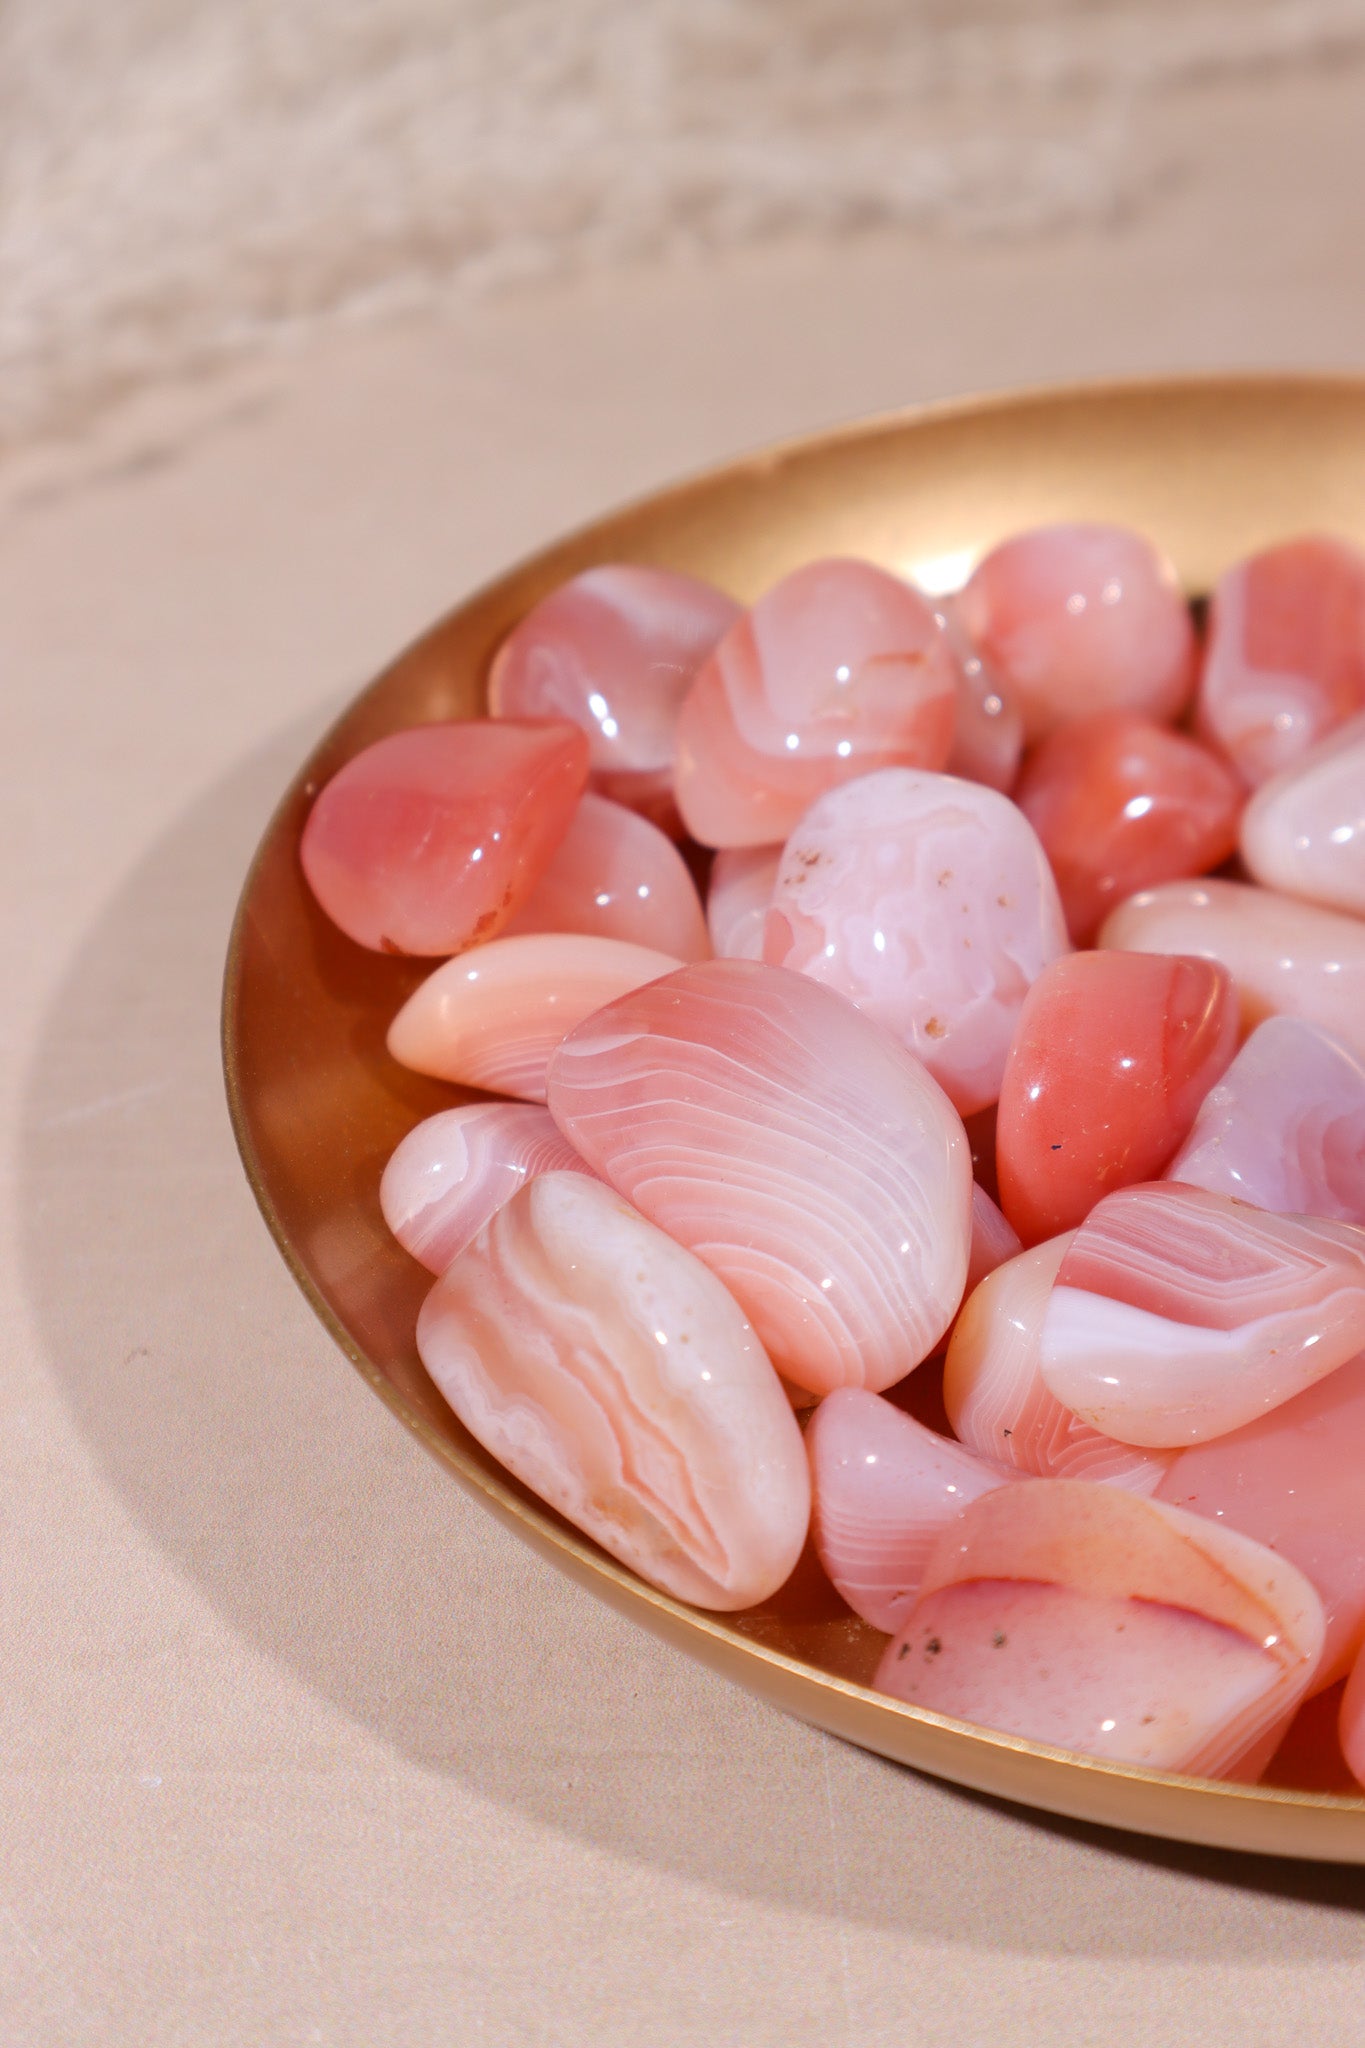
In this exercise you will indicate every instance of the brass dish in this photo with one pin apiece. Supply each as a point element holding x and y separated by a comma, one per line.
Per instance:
<point>1210,468</point>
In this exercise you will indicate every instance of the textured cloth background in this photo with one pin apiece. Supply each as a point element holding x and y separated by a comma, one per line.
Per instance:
<point>181,179</point>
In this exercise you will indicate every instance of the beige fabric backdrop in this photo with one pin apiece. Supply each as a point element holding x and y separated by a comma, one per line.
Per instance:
<point>295,1745</point>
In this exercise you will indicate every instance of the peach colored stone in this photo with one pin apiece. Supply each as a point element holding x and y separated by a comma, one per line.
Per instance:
<point>615,650</point>
<point>1113,1054</point>
<point>1285,661</point>
<point>929,903</point>
<point>430,839</point>
<point>492,1019</point>
<point>737,901</point>
<point>1081,618</point>
<point>455,1170</point>
<point>1285,956</point>
<point>993,1241</point>
<point>1120,804</point>
<point>1304,830</point>
<point>884,1487</point>
<point>839,669</point>
<point>1292,1481</point>
<point>613,1375</point>
<point>988,726</point>
<point>1285,1127</point>
<point>994,1392</point>
<point>1083,1617</point>
<point>1177,1315</point>
<point>617,876</point>
<point>794,1147</point>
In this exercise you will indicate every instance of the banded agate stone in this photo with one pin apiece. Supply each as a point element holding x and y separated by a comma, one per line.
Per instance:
<point>1177,1315</point>
<point>1084,1617</point>
<point>1304,830</point>
<point>615,650</point>
<point>430,839</point>
<point>995,1395</point>
<point>492,1018</point>
<point>794,1147</point>
<point>1285,661</point>
<point>1113,1054</point>
<point>456,1169</point>
<point>839,669</point>
<point>737,901</point>
<point>1120,804</point>
<point>610,1372</point>
<point>884,1487</point>
<point>930,904</point>
<point>1286,957</point>
<point>617,876</point>
<point>1285,1127</point>
<point>993,1240</point>
<point>1081,618</point>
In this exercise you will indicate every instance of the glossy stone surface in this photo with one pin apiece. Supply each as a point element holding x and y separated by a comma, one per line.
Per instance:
<point>1113,1054</point>
<point>430,839</point>
<point>1351,1726</point>
<point>995,1395</point>
<point>794,1147</point>
<point>993,1240</point>
<point>1120,804</point>
<point>1081,618</point>
<point>884,1487</point>
<point>930,904</point>
<point>1292,1481</point>
<point>492,1020</point>
<point>988,726</point>
<point>613,1375</point>
<point>1285,660</point>
<point>456,1169</point>
<point>1304,830</point>
<point>737,900</point>
<point>615,650</point>
<point>1084,1617</point>
<point>839,669</point>
<point>1285,1127</point>
<point>1177,1315</point>
<point>1286,957</point>
<point>615,875</point>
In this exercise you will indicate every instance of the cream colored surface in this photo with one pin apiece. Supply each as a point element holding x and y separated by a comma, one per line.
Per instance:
<point>297,1745</point>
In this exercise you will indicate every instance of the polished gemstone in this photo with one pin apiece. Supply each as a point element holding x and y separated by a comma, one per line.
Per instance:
<point>928,901</point>
<point>456,1169</point>
<point>1120,804</point>
<point>839,669</point>
<point>1304,830</point>
<point>737,901</point>
<point>617,876</point>
<point>988,726</point>
<point>794,1147</point>
<point>610,1372</point>
<point>993,1239</point>
<point>1178,1315</point>
<point>1112,1057</point>
<point>430,839</point>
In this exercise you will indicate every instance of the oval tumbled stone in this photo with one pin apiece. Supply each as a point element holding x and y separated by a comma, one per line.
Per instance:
<point>789,1142</point>
<point>613,1375</point>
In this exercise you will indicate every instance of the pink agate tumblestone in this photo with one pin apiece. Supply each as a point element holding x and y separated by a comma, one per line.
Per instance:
<point>840,668</point>
<point>993,1239</point>
<point>1285,956</point>
<point>1285,661</point>
<point>1084,1617</point>
<point>742,879</point>
<point>1178,1315</point>
<point>1304,830</point>
<point>615,651</point>
<point>988,726</point>
<point>884,1487</point>
<point>429,839</point>
<point>928,901</point>
<point>794,1147</point>
<point>617,876</point>
<point>456,1169</point>
<point>610,1372</point>
<point>1081,618</point>
<point>492,1019</point>
<point>1285,1127</point>
<point>995,1395</point>
<point>1292,1480</point>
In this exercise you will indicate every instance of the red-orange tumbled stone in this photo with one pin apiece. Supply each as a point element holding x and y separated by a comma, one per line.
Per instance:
<point>1112,1057</point>
<point>1121,804</point>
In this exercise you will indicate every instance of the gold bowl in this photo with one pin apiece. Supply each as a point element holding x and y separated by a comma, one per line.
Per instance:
<point>1211,468</point>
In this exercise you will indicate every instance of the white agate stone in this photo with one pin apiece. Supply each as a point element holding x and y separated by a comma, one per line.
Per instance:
<point>1304,830</point>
